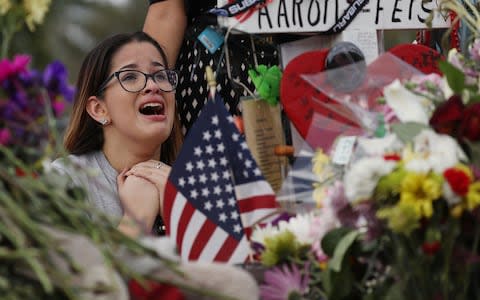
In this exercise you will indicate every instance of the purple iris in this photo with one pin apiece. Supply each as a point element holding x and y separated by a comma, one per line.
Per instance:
<point>55,79</point>
<point>25,96</point>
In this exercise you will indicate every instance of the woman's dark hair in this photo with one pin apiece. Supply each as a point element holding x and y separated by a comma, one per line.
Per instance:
<point>84,134</point>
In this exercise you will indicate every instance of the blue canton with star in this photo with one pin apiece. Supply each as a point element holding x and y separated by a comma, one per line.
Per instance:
<point>214,158</point>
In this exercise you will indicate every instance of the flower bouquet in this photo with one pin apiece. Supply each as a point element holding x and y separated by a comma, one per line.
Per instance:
<point>32,105</point>
<point>14,15</point>
<point>400,217</point>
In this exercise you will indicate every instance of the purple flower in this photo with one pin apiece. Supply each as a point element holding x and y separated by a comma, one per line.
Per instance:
<point>55,79</point>
<point>282,282</point>
<point>422,82</point>
<point>26,95</point>
<point>474,50</point>
<point>281,217</point>
<point>33,78</point>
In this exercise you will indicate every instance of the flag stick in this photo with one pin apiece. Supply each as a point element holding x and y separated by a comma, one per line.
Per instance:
<point>211,81</point>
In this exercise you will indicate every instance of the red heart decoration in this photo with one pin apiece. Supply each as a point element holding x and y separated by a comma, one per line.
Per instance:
<point>301,101</point>
<point>419,56</point>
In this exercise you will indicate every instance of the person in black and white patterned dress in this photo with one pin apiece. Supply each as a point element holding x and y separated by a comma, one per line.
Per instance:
<point>192,57</point>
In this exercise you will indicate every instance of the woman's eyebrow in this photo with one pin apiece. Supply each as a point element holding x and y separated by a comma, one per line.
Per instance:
<point>157,64</point>
<point>135,66</point>
<point>129,66</point>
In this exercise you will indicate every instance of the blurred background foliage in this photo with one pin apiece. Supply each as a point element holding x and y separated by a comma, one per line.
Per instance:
<point>73,27</point>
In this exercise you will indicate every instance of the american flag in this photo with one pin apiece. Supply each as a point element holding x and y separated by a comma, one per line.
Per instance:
<point>215,192</point>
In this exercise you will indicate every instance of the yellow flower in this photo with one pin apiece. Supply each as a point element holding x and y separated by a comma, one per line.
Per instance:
<point>320,163</point>
<point>279,248</point>
<point>323,265</point>
<point>402,218</point>
<point>420,190</point>
<point>5,5</point>
<point>319,193</point>
<point>466,169</point>
<point>473,195</point>
<point>457,210</point>
<point>36,11</point>
<point>389,185</point>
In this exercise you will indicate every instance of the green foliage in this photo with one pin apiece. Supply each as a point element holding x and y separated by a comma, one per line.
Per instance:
<point>455,77</point>
<point>407,131</point>
<point>31,199</point>
<point>280,249</point>
<point>267,82</point>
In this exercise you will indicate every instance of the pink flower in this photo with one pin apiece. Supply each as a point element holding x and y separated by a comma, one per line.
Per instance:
<point>17,65</point>
<point>320,226</point>
<point>58,107</point>
<point>4,69</point>
<point>422,80</point>
<point>282,282</point>
<point>5,136</point>
<point>474,50</point>
<point>20,63</point>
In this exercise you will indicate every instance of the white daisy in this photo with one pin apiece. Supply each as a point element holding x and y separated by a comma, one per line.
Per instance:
<point>362,178</point>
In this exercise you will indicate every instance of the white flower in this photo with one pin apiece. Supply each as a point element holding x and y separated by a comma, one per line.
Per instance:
<point>407,106</point>
<point>450,196</point>
<point>36,11</point>
<point>300,227</point>
<point>5,6</point>
<point>362,178</point>
<point>432,151</point>
<point>447,90</point>
<point>259,234</point>
<point>474,49</point>
<point>379,146</point>
<point>324,221</point>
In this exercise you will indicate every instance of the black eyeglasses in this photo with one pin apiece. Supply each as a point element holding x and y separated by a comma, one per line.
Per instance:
<point>134,81</point>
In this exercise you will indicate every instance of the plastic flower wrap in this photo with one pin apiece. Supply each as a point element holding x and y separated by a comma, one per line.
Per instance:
<point>389,211</point>
<point>448,103</point>
<point>402,218</point>
<point>30,102</point>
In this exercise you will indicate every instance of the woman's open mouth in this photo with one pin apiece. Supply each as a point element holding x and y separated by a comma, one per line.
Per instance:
<point>152,109</point>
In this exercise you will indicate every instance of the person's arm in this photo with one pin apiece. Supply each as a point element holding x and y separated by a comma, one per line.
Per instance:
<point>166,22</point>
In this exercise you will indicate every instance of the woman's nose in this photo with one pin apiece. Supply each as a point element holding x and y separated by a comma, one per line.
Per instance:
<point>151,85</point>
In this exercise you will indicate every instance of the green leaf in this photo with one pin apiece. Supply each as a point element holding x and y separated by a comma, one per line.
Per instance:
<point>327,281</point>
<point>345,243</point>
<point>455,77</point>
<point>340,284</point>
<point>474,149</point>
<point>474,98</point>
<point>395,292</point>
<point>407,131</point>
<point>332,238</point>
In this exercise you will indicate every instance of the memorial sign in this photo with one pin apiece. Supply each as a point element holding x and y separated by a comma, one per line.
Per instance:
<point>282,16</point>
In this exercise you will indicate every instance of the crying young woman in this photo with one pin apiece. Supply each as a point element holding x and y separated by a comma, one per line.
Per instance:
<point>123,133</point>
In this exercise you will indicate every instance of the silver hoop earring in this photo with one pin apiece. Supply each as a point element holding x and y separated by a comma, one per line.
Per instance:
<point>104,122</point>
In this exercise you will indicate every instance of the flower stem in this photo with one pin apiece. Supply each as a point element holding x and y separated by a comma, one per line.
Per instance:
<point>6,39</point>
<point>449,244</point>
<point>466,283</point>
